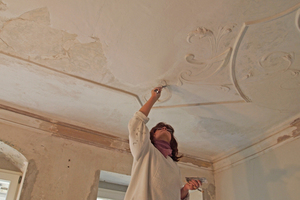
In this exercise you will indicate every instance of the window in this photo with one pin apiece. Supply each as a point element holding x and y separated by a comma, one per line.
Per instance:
<point>112,186</point>
<point>9,184</point>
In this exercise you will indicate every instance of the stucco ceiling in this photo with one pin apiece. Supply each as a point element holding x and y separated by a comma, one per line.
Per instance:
<point>231,67</point>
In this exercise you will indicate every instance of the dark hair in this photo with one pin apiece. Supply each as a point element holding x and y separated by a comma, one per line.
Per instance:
<point>173,142</point>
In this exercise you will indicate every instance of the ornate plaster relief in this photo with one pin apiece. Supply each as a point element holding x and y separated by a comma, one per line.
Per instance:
<point>214,64</point>
<point>273,65</point>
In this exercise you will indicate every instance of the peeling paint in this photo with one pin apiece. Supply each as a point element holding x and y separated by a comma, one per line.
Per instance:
<point>196,162</point>
<point>209,193</point>
<point>29,182</point>
<point>40,15</point>
<point>94,187</point>
<point>296,123</point>
<point>283,138</point>
<point>31,37</point>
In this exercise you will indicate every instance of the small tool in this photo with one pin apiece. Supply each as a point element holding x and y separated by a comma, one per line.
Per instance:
<point>157,91</point>
<point>202,180</point>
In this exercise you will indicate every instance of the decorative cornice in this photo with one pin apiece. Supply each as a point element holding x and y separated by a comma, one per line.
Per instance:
<point>286,133</point>
<point>77,133</point>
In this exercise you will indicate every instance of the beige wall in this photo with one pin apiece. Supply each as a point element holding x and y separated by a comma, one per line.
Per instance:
<point>274,175</point>
<point>6,164</point>
<point>67,170</point>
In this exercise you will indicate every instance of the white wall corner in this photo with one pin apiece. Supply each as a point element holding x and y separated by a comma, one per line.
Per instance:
<point>283,135</point>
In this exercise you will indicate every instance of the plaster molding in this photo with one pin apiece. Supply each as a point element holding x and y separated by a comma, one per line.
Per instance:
<point>285,134</point>
<point>17,159</point>
<point>14,156</point>
<point>40,19</point>
<point>42,124</point>
<point>281,14</point>
<point>280,62</point>
<point>289,57</point>
<point>276,62</point>
<point>199,104</point>
<point>297,20</point>
<point>75,76</point>
<point>207,67</point>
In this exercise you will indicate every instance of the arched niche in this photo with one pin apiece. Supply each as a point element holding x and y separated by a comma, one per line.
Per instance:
<point>17,159</point>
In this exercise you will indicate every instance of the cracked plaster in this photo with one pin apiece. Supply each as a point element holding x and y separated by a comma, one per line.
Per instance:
<point>31,37</point>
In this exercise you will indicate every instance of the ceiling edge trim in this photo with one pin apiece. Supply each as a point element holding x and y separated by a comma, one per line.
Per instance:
<point>286,134</point>
<point>80,134</point>
<point>199,104</point>
<point>288,11</point>
<point>76,77</point>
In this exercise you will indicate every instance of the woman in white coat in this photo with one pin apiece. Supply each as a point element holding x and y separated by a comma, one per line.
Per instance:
<point>155,174</point>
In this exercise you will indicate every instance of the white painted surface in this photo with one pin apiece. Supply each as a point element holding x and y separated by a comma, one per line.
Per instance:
<point>274,175</point>
<point>223,53</point>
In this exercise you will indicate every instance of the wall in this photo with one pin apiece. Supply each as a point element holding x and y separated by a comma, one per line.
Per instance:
<point>6,164</point>
<point>274,175</point>
<point>64,169</point>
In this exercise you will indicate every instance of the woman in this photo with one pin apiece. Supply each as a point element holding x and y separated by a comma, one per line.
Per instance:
<point>155,174</point>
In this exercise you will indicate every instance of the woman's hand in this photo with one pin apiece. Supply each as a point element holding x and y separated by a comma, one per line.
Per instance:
<point>193,184</point>
<point>145,109</point>
<point>155,93</point>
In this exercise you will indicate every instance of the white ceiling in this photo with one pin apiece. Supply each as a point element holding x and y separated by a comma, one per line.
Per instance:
<point>232,67</point>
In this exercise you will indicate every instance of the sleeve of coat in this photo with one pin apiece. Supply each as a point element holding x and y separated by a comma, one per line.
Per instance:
<point>139,136</point>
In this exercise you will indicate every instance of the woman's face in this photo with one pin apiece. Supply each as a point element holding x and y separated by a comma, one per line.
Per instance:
<point>163,133</point>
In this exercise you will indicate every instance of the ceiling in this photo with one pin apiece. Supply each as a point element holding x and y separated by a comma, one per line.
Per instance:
<point>231,67</point>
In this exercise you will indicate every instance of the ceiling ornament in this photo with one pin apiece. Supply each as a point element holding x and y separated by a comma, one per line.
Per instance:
<point>207,67</point>
<point>276,62</point>
<point>280,62</point>
<point>265,59</point>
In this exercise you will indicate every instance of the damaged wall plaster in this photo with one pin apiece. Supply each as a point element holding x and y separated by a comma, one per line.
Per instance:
<point>31,37</point>
<point>94,187</point>
<point>13,156</point>
<point>81,134</point>
<point>29,181</point>
<point>59,167</point>
<point>295,133</point>
<point>6,164</point>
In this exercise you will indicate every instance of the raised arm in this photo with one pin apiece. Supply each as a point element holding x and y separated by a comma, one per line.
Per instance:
<point>145,109</point>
